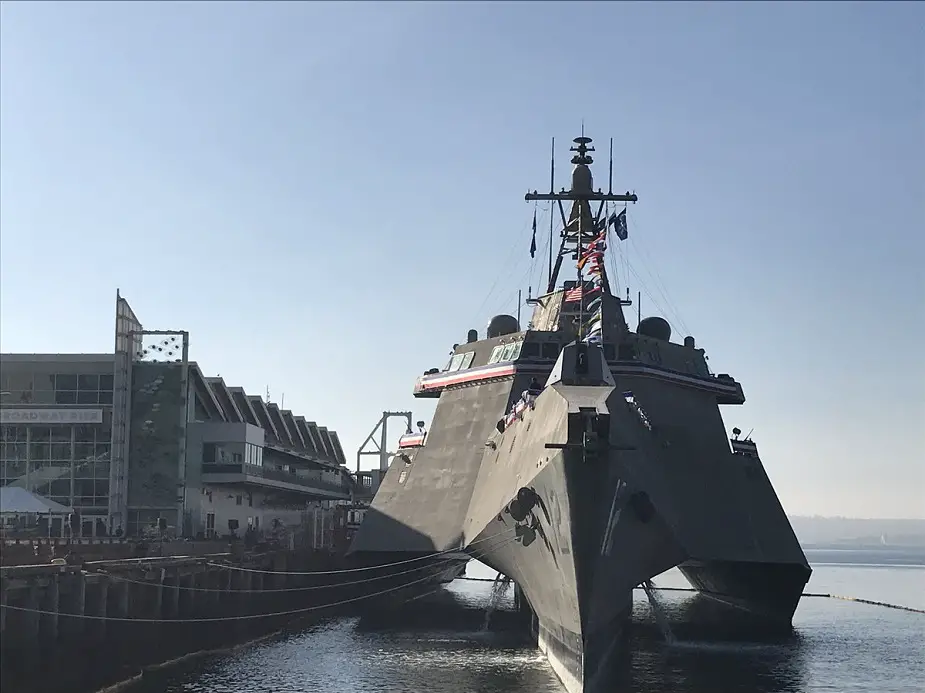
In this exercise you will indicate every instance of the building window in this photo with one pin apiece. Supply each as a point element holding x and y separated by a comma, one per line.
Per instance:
<point>88,397</point>
<point>237,500</point>
<point>253,455</point>
<point>65,382</point>
<point>65,397</point>
<point>88,382</point>
<point>85,388</point>
<point>208,453</point>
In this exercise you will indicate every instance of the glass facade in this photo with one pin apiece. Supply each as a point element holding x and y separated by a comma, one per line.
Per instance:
<point>65,462</point>
<point>68,464</point>
<point>25,387</point>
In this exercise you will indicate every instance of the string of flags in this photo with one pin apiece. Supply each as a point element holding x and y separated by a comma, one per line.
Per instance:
<point>591,260</point>
<point>592,256</point>
<point>617,220</point>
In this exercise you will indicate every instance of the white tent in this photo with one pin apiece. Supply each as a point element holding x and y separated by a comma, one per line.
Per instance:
<point>18,501</point>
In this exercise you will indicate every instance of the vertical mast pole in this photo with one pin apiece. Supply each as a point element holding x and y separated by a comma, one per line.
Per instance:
<point>552,186</point>
<point>581,283</point>
<point>519,301</point>
<point>610,179</point>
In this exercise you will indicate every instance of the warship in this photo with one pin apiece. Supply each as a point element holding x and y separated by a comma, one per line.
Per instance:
<point>581,458</point>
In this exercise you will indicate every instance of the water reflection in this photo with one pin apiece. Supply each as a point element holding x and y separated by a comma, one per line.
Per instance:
<point>716,648</point>
<point>440,647</point>
<point>420,653</point>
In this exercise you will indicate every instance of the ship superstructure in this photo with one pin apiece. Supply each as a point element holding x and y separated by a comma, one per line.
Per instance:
<point>581,458</point>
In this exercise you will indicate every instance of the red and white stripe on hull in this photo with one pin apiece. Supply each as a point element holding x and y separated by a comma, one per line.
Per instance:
<point>411,440</point>
<point>438,381</point>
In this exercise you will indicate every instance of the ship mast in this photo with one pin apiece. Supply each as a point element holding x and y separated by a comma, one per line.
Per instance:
<point>581,226</point>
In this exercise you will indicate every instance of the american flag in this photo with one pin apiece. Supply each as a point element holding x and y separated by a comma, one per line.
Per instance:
<point>573,295</point>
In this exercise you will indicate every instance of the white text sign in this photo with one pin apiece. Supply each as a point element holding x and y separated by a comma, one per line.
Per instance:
<point>51,416</point>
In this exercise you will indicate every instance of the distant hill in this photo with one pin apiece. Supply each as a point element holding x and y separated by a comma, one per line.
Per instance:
<point>846,532</point>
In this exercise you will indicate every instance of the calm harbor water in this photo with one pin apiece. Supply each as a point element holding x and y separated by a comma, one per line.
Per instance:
<point>838,647</point>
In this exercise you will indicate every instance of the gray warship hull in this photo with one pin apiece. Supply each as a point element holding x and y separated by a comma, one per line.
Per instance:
<point>606,512</point>
<point>581,470</point>
<point>610,516</point>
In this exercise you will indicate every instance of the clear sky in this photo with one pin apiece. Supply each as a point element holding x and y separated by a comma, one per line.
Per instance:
<point>327,196</point>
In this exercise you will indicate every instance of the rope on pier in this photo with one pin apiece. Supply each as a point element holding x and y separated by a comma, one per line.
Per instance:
<point>220,619</point>
<point>276,590</point>
<point>357,570</point>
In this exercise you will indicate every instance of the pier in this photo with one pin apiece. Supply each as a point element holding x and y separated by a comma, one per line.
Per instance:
<point>67,627</point>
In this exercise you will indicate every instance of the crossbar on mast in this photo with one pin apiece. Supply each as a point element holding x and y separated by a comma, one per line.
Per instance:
<point>588,197</point>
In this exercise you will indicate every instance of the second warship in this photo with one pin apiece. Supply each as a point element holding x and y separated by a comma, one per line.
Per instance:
<point>582,458</point>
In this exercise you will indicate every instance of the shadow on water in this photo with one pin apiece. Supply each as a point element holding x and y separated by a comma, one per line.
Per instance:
<point>715,647</point>
<point>438,645</point>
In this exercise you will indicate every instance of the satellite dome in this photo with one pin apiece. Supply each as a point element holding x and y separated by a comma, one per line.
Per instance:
<point>655,327</point>
<point>501,325</point>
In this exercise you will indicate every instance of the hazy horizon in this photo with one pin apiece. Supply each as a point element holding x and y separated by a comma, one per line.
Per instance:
<point>327,196</point>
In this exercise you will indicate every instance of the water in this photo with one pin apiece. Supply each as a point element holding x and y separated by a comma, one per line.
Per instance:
<point>661,615</point>
<point>499,590</point>
<point>841,647</point>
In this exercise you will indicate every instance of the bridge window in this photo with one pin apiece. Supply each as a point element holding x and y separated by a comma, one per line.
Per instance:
<point>460,362</point>
<point>496,354</point>
<point>511,351</point>
<point>550,350</point>
<point>530,350</point>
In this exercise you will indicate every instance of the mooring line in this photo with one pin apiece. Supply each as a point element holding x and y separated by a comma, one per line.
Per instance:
<point>824,595</point>
<point>429,556</point>
<point>218,619</point>
<point>276,590</point>
<point>864,601</point>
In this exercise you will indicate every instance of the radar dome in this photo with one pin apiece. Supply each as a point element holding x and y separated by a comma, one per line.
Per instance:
<point>501,325</point>
<point>655,327</point>
<point>582,181</point>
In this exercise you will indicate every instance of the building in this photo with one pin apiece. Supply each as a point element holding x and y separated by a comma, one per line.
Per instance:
<point>142,438</point>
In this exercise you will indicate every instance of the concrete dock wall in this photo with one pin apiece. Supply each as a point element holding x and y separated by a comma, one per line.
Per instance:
<point>78,627</point>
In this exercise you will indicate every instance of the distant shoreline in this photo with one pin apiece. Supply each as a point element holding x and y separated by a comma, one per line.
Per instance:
<point>912,556</point>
